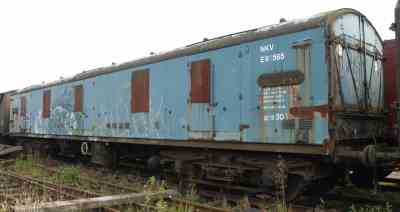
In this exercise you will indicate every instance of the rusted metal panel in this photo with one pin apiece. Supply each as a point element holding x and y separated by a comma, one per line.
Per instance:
<point>358,60</point>
<point>200,81</point>
<point>140,91</point>
<point>78,97</point>
<point>4,112</point>
<point>200,119</point>
<point>23,106</point>
<point>356,72</point>
<point>397,56</point>
<point>46,104</point>
<point>389,75</point>
<point>280,79</point>
<point>308,112</point>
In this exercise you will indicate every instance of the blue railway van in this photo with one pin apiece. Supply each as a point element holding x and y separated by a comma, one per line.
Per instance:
<point>309,91</point>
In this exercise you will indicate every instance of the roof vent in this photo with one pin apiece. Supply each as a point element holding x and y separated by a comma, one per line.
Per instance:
<point>282,20</point>
<point>205,39</point>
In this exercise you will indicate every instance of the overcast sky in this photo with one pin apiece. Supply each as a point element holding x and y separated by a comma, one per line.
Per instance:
<point>42,40</point>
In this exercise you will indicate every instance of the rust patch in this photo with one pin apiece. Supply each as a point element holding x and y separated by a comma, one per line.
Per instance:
<point>244,126</point>
<point>140,91</point>
<point>200,81</point>
<point>308,112</point>
<point>23,106</point>
<point>78,96</point>
<point>46,104</point>
<point>280,79</point>
<point>329,147</point>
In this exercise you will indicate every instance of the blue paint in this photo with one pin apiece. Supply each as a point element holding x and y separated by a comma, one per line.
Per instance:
<point>236,98</point>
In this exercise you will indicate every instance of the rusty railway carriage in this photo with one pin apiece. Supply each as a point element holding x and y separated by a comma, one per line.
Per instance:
<point>307,93</point>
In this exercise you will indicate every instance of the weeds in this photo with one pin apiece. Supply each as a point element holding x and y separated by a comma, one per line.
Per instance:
<point>152,186</point>
<point>244,204</point>
<point>192,195</point>
<point>280,178</point>
<point>27,167</point>
<point>69,175</point>
<point>386,208</point>
<point>158,203</point>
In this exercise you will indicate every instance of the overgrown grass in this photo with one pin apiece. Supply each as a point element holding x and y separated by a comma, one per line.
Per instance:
<point>27,166</point>
<point>68,175</point>
<point>158,203</point>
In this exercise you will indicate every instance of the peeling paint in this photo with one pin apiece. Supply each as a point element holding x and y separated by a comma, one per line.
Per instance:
<point>293,112</point>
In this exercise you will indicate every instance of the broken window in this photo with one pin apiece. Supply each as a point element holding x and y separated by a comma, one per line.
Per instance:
<point>200,81</point>
<point>140,91</point>
<point>23,106</point>
<point>46,103</point>
<point>78,94</point>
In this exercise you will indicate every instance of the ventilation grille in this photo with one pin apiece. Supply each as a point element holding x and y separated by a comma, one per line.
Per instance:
<point>305,124</point>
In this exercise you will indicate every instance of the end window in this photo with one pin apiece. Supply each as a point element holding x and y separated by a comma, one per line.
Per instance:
<point>78,97</point>
<point>140,91</point>
<point>200,81</point>
<point>46,103</point>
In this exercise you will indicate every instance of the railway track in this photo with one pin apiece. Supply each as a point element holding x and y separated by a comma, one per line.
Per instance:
<point>37,190</point>
<point>11,185</point>
<point>10,182</point>
<point>91,187</point>
<point>386,194</point>
<point>171,200</point>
